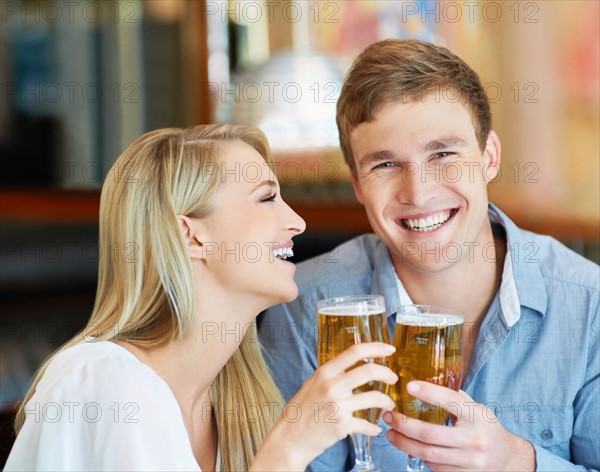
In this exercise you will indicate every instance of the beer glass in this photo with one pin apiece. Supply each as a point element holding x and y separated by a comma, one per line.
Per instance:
<point>343,322</point>
<point>428,341</point>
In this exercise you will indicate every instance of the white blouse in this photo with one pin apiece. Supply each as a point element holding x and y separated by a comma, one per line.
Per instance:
<point>97,407</point>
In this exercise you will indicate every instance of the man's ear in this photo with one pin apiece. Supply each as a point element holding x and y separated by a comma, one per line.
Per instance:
<point>356,187</point>
<point>190,232</point>
<point>491,157</point>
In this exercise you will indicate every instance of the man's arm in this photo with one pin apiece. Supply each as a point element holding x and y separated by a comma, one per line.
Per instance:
<point>585,441</point>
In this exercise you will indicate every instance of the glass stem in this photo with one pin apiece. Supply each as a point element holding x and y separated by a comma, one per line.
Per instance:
<point>414,464</point>
<point>362,451</point>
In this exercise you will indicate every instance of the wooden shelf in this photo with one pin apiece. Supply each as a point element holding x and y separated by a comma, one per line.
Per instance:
<point>333,217</point>
<point>81,206</point>
<point>50,205</point>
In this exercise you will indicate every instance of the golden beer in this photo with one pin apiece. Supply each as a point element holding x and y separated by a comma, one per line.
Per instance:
<point>428,347</point>
<point>341,327</point>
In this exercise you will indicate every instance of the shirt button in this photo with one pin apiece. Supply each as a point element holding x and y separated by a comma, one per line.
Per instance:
<point>546,435</point>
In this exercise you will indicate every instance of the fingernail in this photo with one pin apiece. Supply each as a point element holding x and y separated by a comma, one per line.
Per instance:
<point>387,417</point>
<point>413,387</point>
<point>391,435</point>
<point>389,348</point>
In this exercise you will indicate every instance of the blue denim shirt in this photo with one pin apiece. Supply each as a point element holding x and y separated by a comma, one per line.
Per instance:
<point>536,362</point>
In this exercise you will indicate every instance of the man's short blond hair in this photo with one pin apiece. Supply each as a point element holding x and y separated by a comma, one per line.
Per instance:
<point>407,70</point>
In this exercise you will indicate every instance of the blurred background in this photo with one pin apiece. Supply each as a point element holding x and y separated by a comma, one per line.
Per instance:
<point>81,79</point>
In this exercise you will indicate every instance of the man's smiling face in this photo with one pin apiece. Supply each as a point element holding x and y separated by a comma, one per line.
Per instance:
<point>423,180</point>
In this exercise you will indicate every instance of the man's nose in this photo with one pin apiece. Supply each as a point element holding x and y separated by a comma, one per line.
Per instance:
<point>417,185</point>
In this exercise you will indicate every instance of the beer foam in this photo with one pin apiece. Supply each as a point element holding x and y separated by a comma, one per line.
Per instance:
<point>427,320</point>
<point>351,310</point>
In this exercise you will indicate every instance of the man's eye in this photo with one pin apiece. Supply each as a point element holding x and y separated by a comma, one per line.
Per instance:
<point>270,198</point>
<point>384,164</point>
<point>439,155</point>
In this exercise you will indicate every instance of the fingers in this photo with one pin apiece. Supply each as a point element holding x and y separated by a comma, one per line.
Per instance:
<point>372,399</point>
<point>351,356</point>
<point>368,372</point>
<point>337,380</point>
<point>360,426</point>
<point>434,444</point>
<point>430,454</point>
<point>421,431</point>
<point>459,404</point>
<point>431,393</point>
<point>444,467</point>
<point>394,419</point>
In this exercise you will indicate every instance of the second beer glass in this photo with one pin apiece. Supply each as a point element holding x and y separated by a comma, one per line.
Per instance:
<point>343,322</point>
<point>428,341</point>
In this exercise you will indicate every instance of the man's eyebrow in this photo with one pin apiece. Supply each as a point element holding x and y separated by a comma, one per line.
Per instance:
<point>433,145</point>
<point>376,156</point>
<point>444,142</point>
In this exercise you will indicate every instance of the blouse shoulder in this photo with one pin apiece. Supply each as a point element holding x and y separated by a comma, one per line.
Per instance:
<point>113,411</point>
<point>103,367</point>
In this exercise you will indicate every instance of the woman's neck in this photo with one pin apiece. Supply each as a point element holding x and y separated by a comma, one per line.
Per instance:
<point>189,366</point>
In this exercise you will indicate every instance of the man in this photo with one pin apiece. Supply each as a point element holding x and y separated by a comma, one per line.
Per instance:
<point>415,130</point>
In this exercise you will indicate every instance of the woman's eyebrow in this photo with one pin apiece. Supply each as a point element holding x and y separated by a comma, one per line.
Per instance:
<point>265,183</point>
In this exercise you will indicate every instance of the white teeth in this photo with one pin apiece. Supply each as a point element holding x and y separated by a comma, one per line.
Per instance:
<point>283,252</point>
<point>427,224</point>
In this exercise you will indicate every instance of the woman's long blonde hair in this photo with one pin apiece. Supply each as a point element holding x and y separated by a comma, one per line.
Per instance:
<point>145,290</point>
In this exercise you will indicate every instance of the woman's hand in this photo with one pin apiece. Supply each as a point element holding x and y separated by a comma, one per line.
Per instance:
<point>321,413</point>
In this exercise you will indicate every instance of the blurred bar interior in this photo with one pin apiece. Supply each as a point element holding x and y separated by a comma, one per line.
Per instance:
<point>82,79</point>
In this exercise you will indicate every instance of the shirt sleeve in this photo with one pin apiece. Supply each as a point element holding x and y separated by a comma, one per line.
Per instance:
<point>548,462</point>
<point>585,439</point>
<point>106,414</point>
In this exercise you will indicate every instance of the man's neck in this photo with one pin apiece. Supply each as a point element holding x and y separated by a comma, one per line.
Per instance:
<point>468,285</point>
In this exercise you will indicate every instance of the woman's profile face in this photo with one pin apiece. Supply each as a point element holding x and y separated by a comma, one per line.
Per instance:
<point>248,234</point>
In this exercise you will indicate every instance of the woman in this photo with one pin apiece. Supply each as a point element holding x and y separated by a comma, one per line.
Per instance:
<point>168,374</point>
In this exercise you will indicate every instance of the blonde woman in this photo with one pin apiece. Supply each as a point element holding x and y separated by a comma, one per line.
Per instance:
<point>168,373</point>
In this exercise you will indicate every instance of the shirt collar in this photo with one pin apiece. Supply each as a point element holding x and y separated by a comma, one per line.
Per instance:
<point>403,294</point>
<point>522,282</point>
<point>384,277</point>
<point>509,297</point>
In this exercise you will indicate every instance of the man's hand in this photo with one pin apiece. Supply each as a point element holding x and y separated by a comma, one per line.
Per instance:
<point>476,442</point>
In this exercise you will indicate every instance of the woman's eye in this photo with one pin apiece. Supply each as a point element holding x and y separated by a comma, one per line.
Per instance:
<point>270,198</point>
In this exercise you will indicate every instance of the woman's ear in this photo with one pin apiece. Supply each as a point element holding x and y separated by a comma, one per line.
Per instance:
<point>190,232</point>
